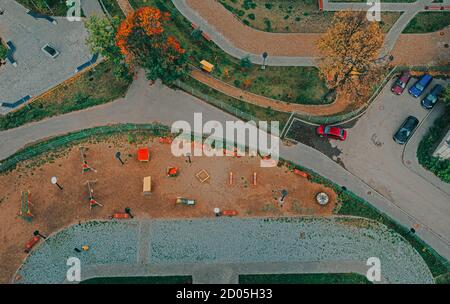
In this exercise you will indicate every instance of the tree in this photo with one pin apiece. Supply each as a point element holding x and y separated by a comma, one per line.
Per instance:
<point>246,63</point>
<point>143,41</point>
<point>350,50</point>
<point>446,96</point>
<point>102,40</point>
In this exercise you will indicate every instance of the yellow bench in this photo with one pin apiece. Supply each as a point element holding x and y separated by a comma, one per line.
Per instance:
<point>206,66</point>
<point>147,186</point>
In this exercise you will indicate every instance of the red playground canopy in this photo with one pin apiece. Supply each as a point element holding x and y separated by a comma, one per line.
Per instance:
<point>143,154</point>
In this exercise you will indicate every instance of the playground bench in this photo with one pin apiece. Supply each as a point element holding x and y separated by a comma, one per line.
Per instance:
<point>31,243</point>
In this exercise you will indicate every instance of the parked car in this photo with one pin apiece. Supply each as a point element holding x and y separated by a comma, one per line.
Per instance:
<point>406,130</point>
<point>400,84</point>
<point>419,87</point>
<point>331,132</point>
<point>430,100</point>
<point>50,51</point>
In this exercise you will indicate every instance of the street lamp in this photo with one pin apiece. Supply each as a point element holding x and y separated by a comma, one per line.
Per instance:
<point>264,56</point>
<point>128,211</point>
<point>188,155</point>
<point>54,181</point>
<point>37,233</point>
<point>118,157</point>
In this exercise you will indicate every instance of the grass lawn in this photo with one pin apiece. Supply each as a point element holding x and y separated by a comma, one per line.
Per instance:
<point>289,16</point>
<point>113,8</point>
<point>140,280</point>
<point>264,114</point>
<point>294,84</point>
<point>306,278</point>
<point>3,50</point>
<point>91,88</point>
<point>54,7</point>
<point>426,22</point>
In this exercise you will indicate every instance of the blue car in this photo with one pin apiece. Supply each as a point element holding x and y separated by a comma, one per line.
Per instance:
<point>430,100</point>
<point>417,89</point>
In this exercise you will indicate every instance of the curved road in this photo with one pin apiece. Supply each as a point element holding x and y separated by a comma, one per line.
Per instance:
<point>218,250</point>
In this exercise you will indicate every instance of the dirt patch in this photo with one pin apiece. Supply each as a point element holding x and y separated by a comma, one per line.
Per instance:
<point>118,186</point>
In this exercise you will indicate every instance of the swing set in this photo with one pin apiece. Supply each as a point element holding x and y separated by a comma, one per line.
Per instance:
<point>25,211</point>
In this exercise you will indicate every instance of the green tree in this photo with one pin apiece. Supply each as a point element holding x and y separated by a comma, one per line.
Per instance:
<point>102,40</point>
<point>245,62</point>
<point>446,96</point>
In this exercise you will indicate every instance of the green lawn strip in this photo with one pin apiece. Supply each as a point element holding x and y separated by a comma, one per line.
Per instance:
<point>113,8</point>
<point>52,8</point>
<point>244,110</point>
<point>293,84</point>
<point>351,204</point>
<point>428,144</point>
<point>140,280</point>
<point>3,50</point>
<point>425,22</point>
<point>290,16</point>
<point>304,278</point>
<point>92,88</point>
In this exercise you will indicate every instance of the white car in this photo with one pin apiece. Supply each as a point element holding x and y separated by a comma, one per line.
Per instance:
<point>50,51</point>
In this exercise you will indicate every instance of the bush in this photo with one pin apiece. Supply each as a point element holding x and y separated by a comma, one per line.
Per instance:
<point>439,167</point>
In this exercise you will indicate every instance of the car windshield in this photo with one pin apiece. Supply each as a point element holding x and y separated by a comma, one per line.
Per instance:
<point>401,84</point>
<point>431,98</point>
<point>419,87</point>
<point>327,130</point>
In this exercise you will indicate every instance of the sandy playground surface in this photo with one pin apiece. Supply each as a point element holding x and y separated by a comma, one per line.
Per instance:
<point>118,186</point>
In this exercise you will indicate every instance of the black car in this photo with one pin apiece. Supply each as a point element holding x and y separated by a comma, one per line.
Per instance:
<point>406,130</point>
<point>430,100</point>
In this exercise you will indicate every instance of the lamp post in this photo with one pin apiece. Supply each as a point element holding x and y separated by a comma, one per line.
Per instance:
<point>54,181</point>
<point>118,157</point>
<point>188,155</point>
<point>264,56</point>
<point>128,211</point>
<point>37,233</point>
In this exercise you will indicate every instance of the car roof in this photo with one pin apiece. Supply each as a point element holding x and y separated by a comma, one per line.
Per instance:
<point>437,89</point>
<point>425,77</point>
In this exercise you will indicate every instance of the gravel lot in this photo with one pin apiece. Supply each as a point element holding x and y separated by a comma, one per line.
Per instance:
<point>228,240</point>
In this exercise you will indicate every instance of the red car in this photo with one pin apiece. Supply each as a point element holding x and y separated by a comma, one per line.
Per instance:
<point>401,82</point>
<point>331,132</point>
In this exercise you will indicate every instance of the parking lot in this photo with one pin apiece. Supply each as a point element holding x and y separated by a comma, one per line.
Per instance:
<point>36,72</point>
<point>370,153</point>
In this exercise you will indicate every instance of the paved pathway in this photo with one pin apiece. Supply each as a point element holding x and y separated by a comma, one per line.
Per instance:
<point>36,72</point>
<point>145,104</point>
<point>92,8</point>
<point>217,250</point>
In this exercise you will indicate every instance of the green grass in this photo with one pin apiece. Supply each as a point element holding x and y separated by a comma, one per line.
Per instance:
<point>54,8</point>
<point>3,50</point>
<point>140,280</point>
<point>428,144</point>
<point>113,8</point>
<point>296,84</point>
<point>261,113</point>
<point>92,88</point>
<point>307,278</point>
<point>426,22</point>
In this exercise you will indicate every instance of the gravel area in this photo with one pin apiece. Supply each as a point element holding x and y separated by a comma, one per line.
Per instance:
<point>287,240</point>
<point>109,243</point>
<point>229,240</point>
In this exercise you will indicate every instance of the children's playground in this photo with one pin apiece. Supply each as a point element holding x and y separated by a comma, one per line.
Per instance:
<point>119,180</point>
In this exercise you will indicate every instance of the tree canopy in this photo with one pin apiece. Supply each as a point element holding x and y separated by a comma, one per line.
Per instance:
<point>102,40</point>
<point>350,50</point>
<point>143,41</point>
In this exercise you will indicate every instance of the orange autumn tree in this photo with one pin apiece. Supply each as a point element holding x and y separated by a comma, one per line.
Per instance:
<point>350,50</point>
<point>143,40</point>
